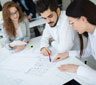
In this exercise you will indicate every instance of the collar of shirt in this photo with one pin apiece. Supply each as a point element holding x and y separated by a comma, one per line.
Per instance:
<point>59,20</point>
<point>94,33</point>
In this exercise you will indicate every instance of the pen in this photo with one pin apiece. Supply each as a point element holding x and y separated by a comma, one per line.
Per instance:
<point>48,55</point>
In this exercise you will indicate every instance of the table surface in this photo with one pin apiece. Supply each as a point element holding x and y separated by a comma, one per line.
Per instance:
<point>37,22</point>
<point>29,67</point>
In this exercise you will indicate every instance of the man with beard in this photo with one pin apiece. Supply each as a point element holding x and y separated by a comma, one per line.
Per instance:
<point>57,29</point>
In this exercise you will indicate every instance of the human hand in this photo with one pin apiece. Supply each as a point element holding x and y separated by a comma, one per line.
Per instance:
<point>45,51</point>
<point>68,68</point>
<point>17,43</point>
<point>26,41</point>
<point>29,17</point>
<point>61,56</point>
<point>19,48</point>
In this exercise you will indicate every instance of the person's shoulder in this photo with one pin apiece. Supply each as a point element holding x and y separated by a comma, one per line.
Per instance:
<point>47,26</point>
<point>63,12</point>
<point>24,20</point>
<point>63,15</point>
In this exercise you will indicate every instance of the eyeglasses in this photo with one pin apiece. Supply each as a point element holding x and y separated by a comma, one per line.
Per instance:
<point>12,14</point>
<point>73,22</point>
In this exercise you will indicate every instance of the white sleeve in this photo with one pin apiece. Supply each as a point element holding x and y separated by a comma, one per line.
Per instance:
<point>6,41</point>
<point>86,53</point>
<point>66,40</point>
<point>74,53</point>
<point>45,38</point>
<point>88,73</point>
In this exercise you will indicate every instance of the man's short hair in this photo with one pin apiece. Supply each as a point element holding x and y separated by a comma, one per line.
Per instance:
<point>43,5</point>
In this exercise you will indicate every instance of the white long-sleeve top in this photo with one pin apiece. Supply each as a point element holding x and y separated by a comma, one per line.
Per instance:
<point>90,50</point>
<point>65,38</point>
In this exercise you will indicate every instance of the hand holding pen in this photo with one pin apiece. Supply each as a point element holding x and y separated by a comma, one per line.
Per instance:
<point>46,52</point>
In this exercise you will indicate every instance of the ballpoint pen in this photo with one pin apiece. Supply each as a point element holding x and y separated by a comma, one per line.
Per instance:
<point>48,55</point>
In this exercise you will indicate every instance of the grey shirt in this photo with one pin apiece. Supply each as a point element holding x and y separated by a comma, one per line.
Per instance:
<point>24,28</point>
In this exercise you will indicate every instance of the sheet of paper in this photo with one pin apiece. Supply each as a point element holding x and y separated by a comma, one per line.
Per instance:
<point>35,67</point>
<point>4,53</point>
<point>41,67</point>
<point>83,80</point>
<point>55,77</point>
<point>17,43</point>
<point>7,79</point>
<point>21,62</point>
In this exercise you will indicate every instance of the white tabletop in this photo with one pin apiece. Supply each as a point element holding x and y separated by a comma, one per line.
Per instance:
<point>29,67</point>
<point>36,22</point>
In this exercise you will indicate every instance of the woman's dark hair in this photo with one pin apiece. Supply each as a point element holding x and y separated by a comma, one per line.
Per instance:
<point>84,8</point>
<point>81,42</point>
<point>80,8</point>
<point>43,5</point>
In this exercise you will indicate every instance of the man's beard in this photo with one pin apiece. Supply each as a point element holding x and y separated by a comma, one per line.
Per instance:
<point>53,22</point>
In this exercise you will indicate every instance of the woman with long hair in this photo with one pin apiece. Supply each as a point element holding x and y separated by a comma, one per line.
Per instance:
<point>15,26</point>
<point>82,16</point>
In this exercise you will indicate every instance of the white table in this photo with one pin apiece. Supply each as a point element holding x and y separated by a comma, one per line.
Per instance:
<point>23,73</point>
<point>37,22</point>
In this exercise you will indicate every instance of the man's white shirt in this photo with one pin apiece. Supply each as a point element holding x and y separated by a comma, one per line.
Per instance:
<point>65,38</point>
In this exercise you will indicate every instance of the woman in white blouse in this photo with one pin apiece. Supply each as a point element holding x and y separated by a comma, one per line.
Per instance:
<point>82,16</point>
<point>16,29</point>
